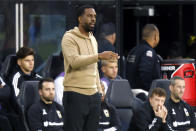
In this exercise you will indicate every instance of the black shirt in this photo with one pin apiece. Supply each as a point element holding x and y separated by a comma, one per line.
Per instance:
<point>180,115</point>
<point>46,117</point>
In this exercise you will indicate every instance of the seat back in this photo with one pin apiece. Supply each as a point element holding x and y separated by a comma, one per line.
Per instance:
<point>28,96</point>
<point>54,66</point>
<point>162,83</point>
<point>28,93</point>
<point>121,96</point>
<point>7,66</point>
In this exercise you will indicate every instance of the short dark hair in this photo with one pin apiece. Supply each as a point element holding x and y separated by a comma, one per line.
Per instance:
<point>40,85</point>
<point>148,30</point>
<point>24,52</point>
<point>172,80</point>
<point>81,10</point>
<point>159,92</point>
<point>107,29</point>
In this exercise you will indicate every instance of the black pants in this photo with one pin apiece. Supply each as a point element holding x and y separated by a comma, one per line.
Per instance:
<point>81,111</point>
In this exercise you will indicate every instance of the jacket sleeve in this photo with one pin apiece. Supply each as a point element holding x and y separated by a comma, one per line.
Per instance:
<point>146,65</point>
<point>72,55</point>
<point>193,119</point>
<point>34,118</point>
<point>143,123</point>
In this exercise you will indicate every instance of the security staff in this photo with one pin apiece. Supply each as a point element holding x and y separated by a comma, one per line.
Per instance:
<point>180,115</point>
<point>142,62</point>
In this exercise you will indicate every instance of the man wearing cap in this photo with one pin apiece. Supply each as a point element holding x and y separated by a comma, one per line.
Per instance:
<point>107,38</point>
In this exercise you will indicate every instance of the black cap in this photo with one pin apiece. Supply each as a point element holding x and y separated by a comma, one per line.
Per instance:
<point>107,29</point>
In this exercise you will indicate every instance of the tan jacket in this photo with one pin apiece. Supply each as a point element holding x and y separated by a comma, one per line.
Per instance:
<point>80,62</point>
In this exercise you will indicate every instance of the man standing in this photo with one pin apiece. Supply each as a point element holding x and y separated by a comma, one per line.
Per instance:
<point>46,115</point>
<point>151,116</point>
<point>23,70</point>
<point>81,83</point>
<point>142,62</point>
<point>180,115</point>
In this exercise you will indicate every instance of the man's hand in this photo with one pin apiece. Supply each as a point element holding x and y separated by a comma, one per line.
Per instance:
<point>107,55</point>
<point>161,112</point>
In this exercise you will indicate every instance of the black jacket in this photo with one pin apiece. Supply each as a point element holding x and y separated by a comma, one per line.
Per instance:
<point>46,117</point>
<point>143,66</point>
<point>8,100</point>
<point>108,117</point>
<point>105,45</point>
<point>15,79</point>
<point>9,107</point>
<point>144,119</point>
<point>180,116</point>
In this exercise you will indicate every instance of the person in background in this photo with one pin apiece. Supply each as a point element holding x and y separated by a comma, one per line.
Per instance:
<point>143,64</point>
<point>110,72</point>
<point>180,115</point>
<point>106,41</point>
<point>46,115</point>
<point>23,70</point>
<point>82,89</point>
<point>151,116</point>
<point>108,120</point>
<point>11,117</point>
<point>107,38</point>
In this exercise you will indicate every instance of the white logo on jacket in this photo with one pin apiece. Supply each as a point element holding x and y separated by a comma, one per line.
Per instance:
<point>186,112</point>
<point>173,112</point>
<point>44,112</point>
<point>149,53</point>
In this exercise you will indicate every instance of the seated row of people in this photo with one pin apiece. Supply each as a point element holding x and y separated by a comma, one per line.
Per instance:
<point>24,71</point>
<point>156,115</point>
<point>48,115</point>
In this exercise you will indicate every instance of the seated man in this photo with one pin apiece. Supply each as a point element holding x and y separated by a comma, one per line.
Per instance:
<point>180,115</point>
<point>110,71</point>
<point>46,115</point>
<point>152,114</point>
<point>109,120</point>
<point>10,112</point>
<point>24,69</point>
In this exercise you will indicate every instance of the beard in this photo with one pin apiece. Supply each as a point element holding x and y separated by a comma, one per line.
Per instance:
<point>48,99</point>
<point>88,28</point>
<point>177,97</point>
